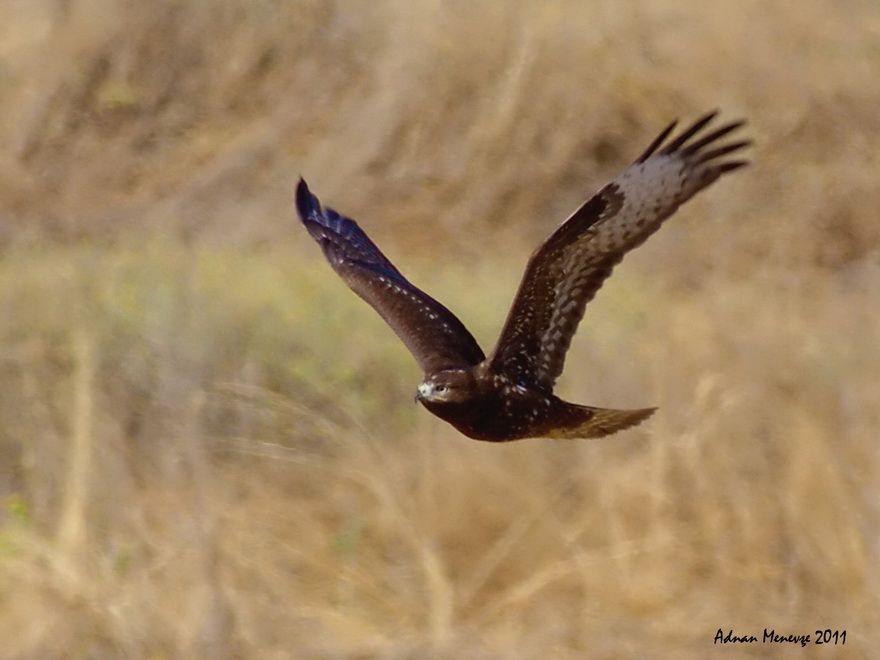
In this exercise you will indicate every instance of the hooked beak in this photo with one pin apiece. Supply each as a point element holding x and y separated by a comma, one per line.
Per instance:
<point>423,392</point>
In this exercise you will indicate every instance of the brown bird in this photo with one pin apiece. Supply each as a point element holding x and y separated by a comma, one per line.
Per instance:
<point>509,395</point>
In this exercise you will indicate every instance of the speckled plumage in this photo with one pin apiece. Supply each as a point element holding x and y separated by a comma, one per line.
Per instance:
<point>509,395</point>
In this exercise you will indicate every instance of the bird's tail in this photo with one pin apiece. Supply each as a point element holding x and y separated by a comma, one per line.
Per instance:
<point>590,422</point>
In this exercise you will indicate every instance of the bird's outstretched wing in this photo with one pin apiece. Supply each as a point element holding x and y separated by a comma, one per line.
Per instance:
<point>435,337</point>
<point>565,272</point>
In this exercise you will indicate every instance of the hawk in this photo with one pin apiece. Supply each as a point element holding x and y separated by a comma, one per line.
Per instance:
<point>509,395</point>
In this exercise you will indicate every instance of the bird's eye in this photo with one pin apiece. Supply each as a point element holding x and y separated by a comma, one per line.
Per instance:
<point>440,388</point>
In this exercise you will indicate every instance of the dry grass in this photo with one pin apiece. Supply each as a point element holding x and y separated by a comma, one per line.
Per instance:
<point>206,447</point>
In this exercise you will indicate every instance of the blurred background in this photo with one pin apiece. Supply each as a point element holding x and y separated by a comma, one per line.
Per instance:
<point>207,443</point>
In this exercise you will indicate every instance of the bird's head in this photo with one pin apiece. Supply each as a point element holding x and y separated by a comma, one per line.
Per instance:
<point>450,386</point>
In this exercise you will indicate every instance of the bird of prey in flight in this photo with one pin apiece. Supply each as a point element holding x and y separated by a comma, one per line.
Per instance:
<point>509,395</point>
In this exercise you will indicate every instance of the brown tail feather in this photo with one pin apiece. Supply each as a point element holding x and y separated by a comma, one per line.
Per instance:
<point>590,422</point>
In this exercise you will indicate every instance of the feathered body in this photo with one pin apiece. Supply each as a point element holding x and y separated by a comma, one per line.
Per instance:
<point>509,395</point>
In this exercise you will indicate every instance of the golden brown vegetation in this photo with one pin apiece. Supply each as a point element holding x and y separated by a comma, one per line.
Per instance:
<point>206,442</point>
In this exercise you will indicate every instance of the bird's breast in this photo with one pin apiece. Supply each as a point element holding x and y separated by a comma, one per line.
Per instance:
<point>507,413</point>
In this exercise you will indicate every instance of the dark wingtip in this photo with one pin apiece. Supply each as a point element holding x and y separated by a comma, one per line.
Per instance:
<point>733,165</point>
<point>727,149</point>
<point>657,142</point>
<point>306,202</point>
<point>695,128</point>
<point>714,136</point>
